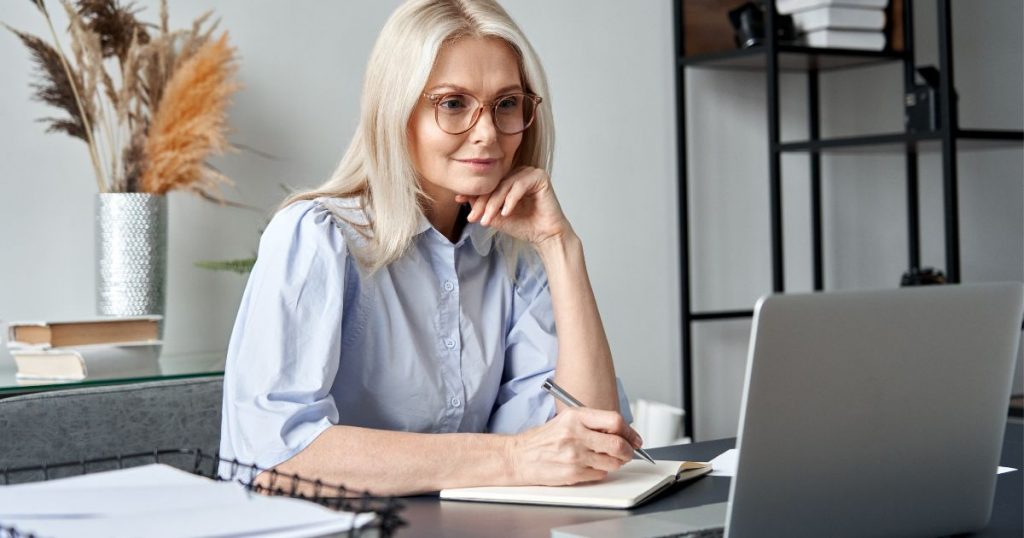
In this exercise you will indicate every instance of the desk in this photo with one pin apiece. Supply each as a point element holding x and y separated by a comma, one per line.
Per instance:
<point>428,516</point>
<point>173,366</point>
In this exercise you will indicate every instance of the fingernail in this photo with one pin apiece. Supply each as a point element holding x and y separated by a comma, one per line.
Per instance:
<point>504,210</point>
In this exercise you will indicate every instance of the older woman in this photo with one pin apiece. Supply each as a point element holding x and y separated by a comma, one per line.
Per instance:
<point>400,322</point>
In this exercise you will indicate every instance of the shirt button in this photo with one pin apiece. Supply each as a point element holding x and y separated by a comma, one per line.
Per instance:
<point>448,286</point>
<point>456,402</point>
<point>449,342</point>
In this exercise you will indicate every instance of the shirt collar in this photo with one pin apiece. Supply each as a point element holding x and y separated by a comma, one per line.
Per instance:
<point>481,237</point>
<point>422,224</point>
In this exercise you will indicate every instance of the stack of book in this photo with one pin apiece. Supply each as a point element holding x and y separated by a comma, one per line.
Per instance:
<point>844,24</point>
<point>88,349</point>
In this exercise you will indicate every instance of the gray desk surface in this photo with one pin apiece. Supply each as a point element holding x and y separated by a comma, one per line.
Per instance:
<point>428,516</point>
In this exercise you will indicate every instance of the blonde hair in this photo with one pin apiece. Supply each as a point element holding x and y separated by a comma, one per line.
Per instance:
<point>377,168</point>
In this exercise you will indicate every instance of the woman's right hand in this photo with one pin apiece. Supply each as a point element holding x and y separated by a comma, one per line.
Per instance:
<point>578,445</point>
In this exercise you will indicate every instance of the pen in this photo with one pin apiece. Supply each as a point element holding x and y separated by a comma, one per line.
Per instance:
<point>567,399</point>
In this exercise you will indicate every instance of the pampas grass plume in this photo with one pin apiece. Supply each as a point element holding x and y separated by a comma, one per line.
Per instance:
<point>190,122</point>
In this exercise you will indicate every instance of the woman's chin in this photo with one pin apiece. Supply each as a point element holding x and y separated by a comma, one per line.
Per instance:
<point>477,186</point>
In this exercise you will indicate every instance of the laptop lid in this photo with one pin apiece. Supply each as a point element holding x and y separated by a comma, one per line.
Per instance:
<point>875,413</point>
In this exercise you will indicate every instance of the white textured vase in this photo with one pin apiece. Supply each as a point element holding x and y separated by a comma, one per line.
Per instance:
<point>131,253</point>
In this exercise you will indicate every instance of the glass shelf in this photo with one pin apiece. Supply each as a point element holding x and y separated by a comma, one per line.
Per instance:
<point>175,366</point>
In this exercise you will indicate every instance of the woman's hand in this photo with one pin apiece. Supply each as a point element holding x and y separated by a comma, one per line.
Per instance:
<point>578,445</point>
<point>523,205</point>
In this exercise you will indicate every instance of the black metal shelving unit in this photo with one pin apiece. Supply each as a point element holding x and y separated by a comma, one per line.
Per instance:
<point>773,58</point>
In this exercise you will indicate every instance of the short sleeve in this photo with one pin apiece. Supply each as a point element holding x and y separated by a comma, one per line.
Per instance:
<point>531,352</point>
<point>285,347</point>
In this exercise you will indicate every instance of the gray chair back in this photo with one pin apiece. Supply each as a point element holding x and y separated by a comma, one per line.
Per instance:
<point>110,420</point>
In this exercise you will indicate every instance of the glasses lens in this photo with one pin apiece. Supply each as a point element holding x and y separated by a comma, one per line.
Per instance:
<point>514,113</point>
<point>455,112</point>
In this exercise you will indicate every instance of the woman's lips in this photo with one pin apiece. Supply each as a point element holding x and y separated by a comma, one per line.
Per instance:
<point>479,165</point>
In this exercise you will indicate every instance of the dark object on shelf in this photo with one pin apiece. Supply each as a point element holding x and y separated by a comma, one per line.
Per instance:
<point>748,24</point>
<point>923,112</point>
<point>922,276</point>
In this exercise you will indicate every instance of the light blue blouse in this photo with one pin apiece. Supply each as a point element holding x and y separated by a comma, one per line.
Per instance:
<point>439,341</point>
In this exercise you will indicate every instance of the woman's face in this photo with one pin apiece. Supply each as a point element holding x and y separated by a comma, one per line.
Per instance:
<point>473,162</point>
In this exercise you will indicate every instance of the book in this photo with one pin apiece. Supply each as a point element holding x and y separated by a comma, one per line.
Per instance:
<point>838,18</point>
<point>97,361</point>
<point>83,332</point>
<point>845,39</point>
<point>634,483</point>
<point>787,7</point>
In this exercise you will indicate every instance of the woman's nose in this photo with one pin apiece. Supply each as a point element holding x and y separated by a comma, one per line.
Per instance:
<point>484,131</point>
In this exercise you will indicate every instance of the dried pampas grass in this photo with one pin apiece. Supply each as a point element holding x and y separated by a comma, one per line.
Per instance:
<point>190,123</point>
<point>149,102</point>
<point>56,87</point>
<point>116,25</point>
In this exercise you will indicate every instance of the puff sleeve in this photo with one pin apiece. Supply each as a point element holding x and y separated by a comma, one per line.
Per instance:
<point>285,346</point>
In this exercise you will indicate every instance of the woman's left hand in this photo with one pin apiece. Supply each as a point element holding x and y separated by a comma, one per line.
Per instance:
<point>523,205</point>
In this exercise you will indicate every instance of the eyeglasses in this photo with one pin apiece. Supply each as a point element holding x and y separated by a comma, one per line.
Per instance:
<point>457,113</point>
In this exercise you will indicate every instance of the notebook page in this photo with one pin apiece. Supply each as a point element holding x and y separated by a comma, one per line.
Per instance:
<point>154,474</point>
<point>158,500</point>
<point>266,516</point>
<point>619,489</point>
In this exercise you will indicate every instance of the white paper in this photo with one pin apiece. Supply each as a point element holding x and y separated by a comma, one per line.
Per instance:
<point>158,501</point>
<point>268,516</point>
<point>144,475</point>
<point>725,464</point>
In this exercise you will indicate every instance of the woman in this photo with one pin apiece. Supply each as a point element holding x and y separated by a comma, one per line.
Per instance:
<point>395,333</point>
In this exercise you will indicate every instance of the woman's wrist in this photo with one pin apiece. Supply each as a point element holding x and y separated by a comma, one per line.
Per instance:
<point>509,449</point>
<point>557,245</point>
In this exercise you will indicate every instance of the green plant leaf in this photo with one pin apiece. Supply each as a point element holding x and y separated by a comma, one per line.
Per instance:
<point>238,266</point>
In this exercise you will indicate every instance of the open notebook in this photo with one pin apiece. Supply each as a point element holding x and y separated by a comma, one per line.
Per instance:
<point>161,501</point>
<point>632,484</point>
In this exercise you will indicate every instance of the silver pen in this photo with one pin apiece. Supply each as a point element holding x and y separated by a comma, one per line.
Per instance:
<point>567,399</point>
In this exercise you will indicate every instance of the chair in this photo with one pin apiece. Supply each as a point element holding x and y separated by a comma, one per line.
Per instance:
<point>109,420</point>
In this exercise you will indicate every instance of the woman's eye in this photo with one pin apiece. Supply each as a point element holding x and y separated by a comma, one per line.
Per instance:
<point>453,103</point>
<point>508,103</point>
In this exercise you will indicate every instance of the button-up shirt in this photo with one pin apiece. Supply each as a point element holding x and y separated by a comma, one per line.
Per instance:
<point>445,339</point>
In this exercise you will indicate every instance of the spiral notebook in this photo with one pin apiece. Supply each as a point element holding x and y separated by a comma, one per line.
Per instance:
<point>128,496</point>
<point>634,483</point>
<point>158,500</point>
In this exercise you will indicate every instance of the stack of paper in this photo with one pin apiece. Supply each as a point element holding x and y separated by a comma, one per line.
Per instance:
<point>847,24</point>
<point>157,501</point>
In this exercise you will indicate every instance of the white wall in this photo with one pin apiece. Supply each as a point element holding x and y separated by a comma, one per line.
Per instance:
<point>611,71</point>
<point>302,65</point>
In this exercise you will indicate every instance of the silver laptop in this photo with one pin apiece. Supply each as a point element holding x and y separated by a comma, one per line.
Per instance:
<point>870,413</point>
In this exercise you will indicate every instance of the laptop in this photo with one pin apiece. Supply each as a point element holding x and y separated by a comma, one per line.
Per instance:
<point>865,413</point>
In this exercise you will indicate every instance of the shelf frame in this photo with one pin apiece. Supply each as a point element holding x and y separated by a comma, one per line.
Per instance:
<point>682,194</point>
<point>996,138</point>
<point>773,58</point>
<point>794,58</point>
